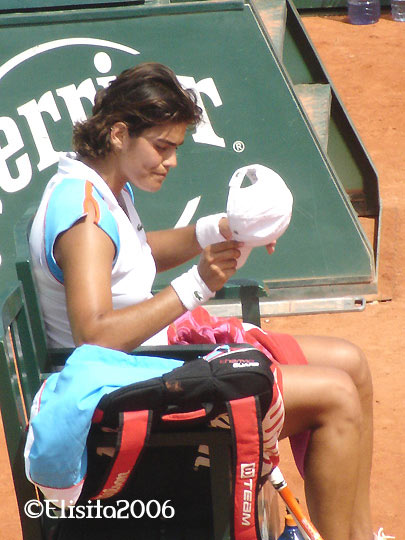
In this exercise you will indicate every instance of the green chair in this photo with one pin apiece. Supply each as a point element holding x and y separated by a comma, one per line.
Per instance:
<point>20,379</point>
<point>25,361</point>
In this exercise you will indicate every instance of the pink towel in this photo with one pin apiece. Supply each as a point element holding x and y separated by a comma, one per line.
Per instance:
<point>199,327</point>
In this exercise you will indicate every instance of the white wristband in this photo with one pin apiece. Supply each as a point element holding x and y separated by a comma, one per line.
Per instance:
<point>191,289</point>
<point>207,230</point>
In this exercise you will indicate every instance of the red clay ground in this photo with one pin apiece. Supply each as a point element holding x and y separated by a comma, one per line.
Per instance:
<point>367,67</point>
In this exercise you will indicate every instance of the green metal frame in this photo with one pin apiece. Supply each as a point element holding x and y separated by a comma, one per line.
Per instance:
<point>325,252</point>
<point>20,380</point>
<point>346,152</point>
<point>43,5</point>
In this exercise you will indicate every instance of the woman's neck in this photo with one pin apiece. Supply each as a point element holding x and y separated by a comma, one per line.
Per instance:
<point>105,168</point>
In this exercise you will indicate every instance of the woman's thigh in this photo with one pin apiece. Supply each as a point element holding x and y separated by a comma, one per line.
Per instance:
<point>313,395</point>
<point>337,353</point>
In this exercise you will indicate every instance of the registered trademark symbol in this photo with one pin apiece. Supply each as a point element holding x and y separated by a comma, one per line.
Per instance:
<point>238,146</point>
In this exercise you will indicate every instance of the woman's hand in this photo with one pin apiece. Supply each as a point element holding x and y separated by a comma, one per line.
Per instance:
<point>226,232</point>
<point>218,263</point>
<point>271,248</point>
<point>224,228</point>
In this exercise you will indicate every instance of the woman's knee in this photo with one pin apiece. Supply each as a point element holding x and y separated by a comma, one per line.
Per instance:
<point>354,362</point>
<point>341,354</point>
<point>342,401</point>
<point>319,396</point>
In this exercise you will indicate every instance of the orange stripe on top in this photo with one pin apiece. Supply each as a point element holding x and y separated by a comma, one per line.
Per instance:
<point>90,202</point>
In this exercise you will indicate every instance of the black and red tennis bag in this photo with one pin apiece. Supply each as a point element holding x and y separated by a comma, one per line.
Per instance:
<point>236,381</point>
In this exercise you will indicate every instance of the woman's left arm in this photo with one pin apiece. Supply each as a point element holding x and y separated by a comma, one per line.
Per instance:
<point>173,247</point>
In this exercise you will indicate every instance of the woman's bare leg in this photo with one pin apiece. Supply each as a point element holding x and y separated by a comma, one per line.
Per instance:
<point>344,355</point>
<point>326,401</point>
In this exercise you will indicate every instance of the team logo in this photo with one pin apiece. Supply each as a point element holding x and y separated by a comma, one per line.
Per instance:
<point>247,470</point>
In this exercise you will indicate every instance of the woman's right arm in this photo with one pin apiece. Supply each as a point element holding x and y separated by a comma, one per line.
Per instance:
<point>85,254</point>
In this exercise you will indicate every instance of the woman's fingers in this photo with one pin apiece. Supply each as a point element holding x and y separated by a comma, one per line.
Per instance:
<point>224,228</point>
<point>218,263</point>
<point>271,247</point>
<point>229,248</point>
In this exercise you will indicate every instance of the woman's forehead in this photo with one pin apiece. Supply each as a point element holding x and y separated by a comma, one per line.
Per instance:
<point>170,133</point>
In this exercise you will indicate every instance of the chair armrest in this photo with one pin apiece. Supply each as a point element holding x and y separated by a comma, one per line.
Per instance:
<point>58,357</point>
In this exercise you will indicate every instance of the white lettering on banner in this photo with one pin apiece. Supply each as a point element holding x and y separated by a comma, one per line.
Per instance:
<point>205,132</point>
<point>102,62</point>
<point>33,113</point>
<point>72,95</point>
<point>188,212</point>
<point>51,45</point>
<point>105,81</point>
<point>16,165</point>
<point>73,98</point>
<point>15,143</point>
<point>33,110</point>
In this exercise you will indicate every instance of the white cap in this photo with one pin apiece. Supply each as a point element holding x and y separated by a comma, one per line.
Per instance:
<point>260,213</point>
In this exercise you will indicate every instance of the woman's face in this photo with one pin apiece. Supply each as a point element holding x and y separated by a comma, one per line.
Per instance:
<point>146,159</point>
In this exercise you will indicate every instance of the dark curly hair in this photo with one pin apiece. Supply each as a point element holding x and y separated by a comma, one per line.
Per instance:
<point>144,96</point>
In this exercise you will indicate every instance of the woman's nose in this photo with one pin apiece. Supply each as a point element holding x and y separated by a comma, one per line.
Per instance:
<point>171,159</point>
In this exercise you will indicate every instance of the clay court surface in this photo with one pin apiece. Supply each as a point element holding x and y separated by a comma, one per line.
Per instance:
<point>367,67</point>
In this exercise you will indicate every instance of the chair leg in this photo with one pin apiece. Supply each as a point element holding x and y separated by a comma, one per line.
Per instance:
<point>250,304</point>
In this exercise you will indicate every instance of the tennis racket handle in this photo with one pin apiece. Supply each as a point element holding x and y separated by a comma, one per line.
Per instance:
<point>295,509</point>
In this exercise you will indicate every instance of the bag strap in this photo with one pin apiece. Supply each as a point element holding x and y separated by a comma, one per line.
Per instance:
<point>133,433</point>
<point>245,419</point>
